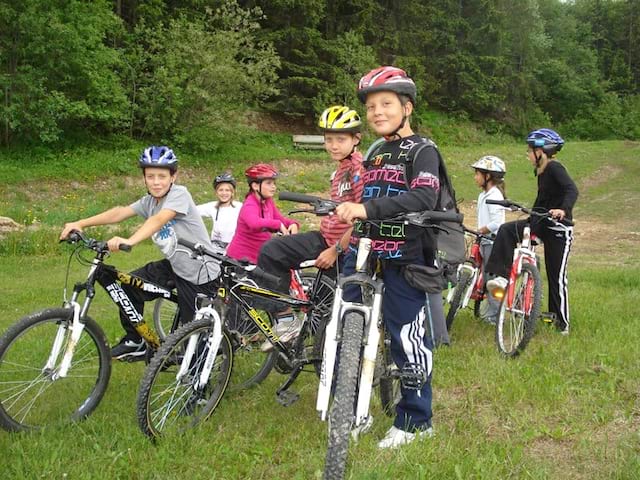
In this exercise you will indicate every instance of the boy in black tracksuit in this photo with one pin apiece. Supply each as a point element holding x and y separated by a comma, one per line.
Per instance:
<point>557,193</point>
<point>389,96</point>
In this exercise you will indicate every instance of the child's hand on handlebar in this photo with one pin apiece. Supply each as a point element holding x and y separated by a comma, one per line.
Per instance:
<point>68,228</point>
<point>115,242</point>
<point>557,213</point>
<point>348,212</point>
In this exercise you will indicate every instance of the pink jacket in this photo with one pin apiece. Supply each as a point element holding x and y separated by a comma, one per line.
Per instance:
<point>257,221</point>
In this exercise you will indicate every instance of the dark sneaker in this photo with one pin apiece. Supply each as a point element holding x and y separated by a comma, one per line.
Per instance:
<point>129,350</point>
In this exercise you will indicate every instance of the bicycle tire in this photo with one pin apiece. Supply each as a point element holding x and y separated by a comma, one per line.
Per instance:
<point>341,415</point>
<point>31,398</point>
<point>390,385</point>
<point>165,312</point>
<point>321,313</point>
<point>477,308</point>
<point>515,327</point>
<point>251,364</point>
<point>166,404</point>
<point>458,294</point>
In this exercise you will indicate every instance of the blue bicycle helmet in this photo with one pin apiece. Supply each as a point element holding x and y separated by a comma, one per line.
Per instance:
<point>160,157</point>
<point>549,140</point>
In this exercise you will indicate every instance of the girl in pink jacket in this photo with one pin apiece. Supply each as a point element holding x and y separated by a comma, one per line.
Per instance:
<point>259,217</point>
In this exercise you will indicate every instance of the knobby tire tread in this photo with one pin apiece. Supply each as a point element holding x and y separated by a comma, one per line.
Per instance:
<point>342,409</point>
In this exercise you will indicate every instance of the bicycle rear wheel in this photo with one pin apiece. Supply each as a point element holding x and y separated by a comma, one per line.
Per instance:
<point>250,364</point>
<point>342,410</point>
<point>32,395</point>
<point>390,386</point>
<point>458,294</point>
<point>516,323</point>
<point>165,316</point>
<point>321,313</point>
<point>168,404</point>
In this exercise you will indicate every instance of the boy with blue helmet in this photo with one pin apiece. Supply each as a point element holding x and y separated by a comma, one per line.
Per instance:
<point>170,214</point>
<point>557,194</point>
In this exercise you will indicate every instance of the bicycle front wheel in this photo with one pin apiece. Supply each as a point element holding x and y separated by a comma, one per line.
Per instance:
<point>458,294</point>
<point>32,393</point>
<point>516,322</point>
<point>342,410</point>
<point>170,399</point>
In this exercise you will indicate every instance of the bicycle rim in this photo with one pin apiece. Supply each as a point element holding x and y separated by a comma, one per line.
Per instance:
<point>164,316</point>
<point>516,322</point>
<point>32,396</point>
<point>168,404</point>
<point>250,364</point>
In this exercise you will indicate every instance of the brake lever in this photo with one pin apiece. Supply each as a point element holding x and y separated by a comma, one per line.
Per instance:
<point>301,210</point>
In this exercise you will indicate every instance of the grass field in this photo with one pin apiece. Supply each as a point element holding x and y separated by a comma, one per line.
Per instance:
<point>568,408</point>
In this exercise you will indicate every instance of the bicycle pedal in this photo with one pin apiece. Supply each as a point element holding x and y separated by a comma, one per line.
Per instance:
<point>286,398</point>
<point>548,317</point>
<point>412,376</point>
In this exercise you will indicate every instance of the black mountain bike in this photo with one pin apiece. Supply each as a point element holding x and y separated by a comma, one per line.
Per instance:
<point>55,363</point>
<point>186,379</point>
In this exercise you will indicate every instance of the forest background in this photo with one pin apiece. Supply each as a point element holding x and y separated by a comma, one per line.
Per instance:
<point>188,72</point>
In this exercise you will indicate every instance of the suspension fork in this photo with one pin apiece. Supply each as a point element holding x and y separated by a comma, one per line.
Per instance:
<point>76,327</point>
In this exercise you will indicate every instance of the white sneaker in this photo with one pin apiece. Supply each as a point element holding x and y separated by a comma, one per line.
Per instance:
<point>286,330</point>
<point>396,437</point>
<point>362,428</point>
<point>496,287</point>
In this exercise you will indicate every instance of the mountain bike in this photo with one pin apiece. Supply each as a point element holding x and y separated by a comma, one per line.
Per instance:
<point>186,379</point>
<point>252,365</point>
<point>354,337</point>
<point>470,280</point>
<point>522,298</point>
<point>55,363</point>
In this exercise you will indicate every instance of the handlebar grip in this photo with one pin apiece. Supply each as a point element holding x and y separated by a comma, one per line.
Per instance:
<point>186,243</point>
<point>124,247</point>
<point>503,203</point>
<point>298,197</point>
<point>436,216</point>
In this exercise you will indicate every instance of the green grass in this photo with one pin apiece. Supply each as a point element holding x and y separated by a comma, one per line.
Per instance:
<point>569,407</point>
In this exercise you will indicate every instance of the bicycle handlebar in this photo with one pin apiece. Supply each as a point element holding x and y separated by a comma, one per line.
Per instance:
<point>253,270</point>
<point>76,236</point>
<point>322,206</point>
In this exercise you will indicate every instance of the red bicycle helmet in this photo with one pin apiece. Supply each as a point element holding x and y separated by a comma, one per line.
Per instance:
<point>260,171</point>
<point>387,79</point>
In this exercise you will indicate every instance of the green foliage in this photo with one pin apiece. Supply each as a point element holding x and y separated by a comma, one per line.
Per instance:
<point>57,70</point>
<point>195,75</point>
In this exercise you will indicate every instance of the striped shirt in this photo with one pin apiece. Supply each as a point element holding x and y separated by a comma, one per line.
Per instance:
<point>346,186</point>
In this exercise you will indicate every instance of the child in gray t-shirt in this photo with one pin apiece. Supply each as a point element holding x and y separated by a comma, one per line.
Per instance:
<point>170,214</point>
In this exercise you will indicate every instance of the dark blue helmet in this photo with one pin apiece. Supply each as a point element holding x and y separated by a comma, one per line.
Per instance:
<point>549,140</point>
<point>160,157</point>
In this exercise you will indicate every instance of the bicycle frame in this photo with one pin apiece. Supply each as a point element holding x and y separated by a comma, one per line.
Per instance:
<point>523,253</point>
<point>110,279</point>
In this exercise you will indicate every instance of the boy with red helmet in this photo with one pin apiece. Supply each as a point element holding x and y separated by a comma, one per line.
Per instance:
<point>390,96</point>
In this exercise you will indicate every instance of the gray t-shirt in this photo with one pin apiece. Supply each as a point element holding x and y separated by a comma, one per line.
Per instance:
<point>187,225</point>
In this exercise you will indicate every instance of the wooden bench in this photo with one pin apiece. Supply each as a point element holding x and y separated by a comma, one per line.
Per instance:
<point>308,141</point>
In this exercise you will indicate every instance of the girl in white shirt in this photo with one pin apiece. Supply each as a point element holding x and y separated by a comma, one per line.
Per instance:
<point>489,176</point>
<point>224,211</point>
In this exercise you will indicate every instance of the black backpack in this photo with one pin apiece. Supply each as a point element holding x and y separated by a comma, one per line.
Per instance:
<point>451,245</point>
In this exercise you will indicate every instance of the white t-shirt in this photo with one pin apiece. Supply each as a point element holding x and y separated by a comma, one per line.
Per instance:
<point>224,219</point>
<point>490,216</point>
